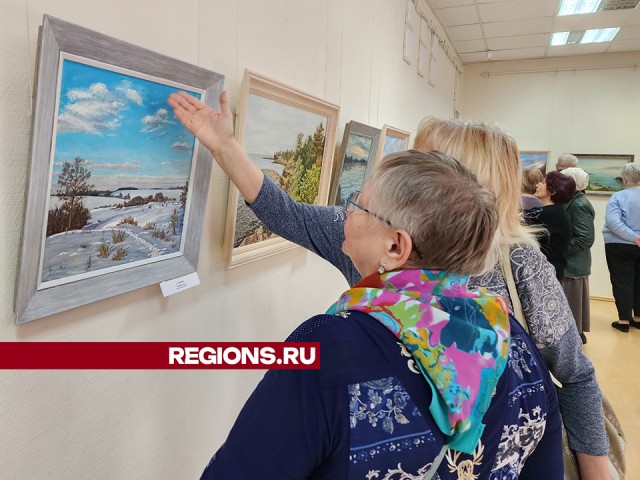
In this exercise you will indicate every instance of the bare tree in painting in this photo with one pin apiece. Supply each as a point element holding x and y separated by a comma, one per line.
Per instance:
<point>73,186</point>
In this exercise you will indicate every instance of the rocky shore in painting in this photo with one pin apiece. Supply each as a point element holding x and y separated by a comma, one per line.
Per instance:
<point>248,228</point>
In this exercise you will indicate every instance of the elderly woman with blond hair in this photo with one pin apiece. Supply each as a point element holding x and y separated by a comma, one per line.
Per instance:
<point>493,156</point>
<point>531,177</point>
<point>622,247</point>
<point>575,282</point>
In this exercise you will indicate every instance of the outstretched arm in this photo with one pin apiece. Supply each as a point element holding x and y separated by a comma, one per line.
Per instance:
<point>215,131</point>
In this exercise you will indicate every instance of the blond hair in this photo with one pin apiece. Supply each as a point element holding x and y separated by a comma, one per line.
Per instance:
<point>531,177</point>
<point>493,155</point>
<point>451,218</point>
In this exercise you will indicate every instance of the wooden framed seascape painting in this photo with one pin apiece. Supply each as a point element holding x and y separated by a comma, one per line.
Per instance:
<point>117,187</point>
<point>392,140</point>
<point>356,160</point>
<point>604,171</point>
<point>534,159</point>
<point>290,135</point>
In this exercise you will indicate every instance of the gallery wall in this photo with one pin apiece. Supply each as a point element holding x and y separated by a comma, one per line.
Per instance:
<point>166,424</point>
<point>588,104</point>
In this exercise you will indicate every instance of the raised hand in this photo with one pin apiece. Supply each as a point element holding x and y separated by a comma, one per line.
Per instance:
<point>213,129</point>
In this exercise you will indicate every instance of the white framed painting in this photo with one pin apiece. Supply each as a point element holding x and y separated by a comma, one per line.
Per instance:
<point>290,135</point>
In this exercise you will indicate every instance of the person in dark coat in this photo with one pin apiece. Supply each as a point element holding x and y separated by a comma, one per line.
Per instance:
<point>576,274</point>
<point>554,192</point>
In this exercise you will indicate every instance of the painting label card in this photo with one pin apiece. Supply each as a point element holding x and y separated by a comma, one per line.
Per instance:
<point>181,284</point>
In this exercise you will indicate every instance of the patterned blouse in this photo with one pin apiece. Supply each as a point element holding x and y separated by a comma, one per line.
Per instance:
<point>364,415</point>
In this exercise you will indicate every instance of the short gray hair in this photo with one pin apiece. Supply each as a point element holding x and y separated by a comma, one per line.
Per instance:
<point>631,173</point>
<point>567,160</point>
<point>451,218</point>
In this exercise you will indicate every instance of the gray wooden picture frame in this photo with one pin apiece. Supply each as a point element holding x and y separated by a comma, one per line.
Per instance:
<point>58,37</point>
<point>361,130</point>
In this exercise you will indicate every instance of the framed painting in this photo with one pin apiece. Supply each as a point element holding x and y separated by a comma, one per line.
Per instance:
<point>534,159</point>
<point>117,187</point>
<point>392,140</point>
<point>604,171</point>
<point>357,157</point>
<point>291,136</point>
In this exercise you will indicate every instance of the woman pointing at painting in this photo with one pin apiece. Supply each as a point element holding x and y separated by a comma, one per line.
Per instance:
<point>493,155</point>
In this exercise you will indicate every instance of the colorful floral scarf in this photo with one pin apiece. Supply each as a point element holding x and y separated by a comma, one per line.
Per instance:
<point>459,339</point>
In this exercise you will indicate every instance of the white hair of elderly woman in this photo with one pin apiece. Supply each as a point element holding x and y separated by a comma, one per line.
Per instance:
<point>579,175</point>
<point>631,173</point>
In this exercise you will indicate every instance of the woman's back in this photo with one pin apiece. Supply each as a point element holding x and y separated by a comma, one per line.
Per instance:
<point>365,415</point>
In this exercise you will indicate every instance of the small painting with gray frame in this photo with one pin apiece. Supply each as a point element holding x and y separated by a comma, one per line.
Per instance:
<point>358,153</point>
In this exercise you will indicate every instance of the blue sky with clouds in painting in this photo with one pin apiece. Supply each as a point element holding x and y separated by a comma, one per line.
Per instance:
<point>358,147</point>
<point>122,126</point>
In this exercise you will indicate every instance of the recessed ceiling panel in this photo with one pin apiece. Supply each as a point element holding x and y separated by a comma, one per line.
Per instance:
<point>628,33</point>
<point>518,27</point>
<point>578,49</point>
<point>519,53</point>
<point>473,57</point>
<point>465,32</point>
<point>467,46</point>
<point>435,4</point>
<point>458,16</point>
<point>593,20</point>
<point>520,41</point>
<point>624,46</point>
<point>517,10</point>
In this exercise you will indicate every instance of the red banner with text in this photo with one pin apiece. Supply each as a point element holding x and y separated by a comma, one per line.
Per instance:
<point>159,355</point>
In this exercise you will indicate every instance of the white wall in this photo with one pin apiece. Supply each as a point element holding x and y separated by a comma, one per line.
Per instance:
<point>166,424</point>
<point>586,104</point>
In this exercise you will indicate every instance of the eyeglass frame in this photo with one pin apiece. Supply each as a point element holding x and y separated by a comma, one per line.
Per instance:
<point>351,200</point>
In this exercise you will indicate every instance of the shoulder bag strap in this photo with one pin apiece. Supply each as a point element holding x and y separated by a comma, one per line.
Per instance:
<point>507,272</point>
<point>436,463</point>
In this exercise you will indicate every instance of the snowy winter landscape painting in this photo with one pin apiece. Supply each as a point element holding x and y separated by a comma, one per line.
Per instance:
<point>120,171</point>
<point>116,188</point>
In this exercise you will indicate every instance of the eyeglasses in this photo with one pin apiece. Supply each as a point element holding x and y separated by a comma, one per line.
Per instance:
<point>351,203</point>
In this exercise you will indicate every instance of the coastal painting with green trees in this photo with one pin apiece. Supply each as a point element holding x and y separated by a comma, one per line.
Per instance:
<point>119,176</point>
<point>287,144</point>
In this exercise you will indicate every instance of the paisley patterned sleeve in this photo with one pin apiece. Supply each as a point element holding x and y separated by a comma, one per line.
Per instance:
<point>552,328</point>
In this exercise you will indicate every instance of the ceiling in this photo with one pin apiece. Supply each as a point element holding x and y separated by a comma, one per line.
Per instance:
<point>521,29</point>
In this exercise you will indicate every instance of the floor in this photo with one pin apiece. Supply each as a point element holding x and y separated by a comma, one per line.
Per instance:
<point>612,354</point>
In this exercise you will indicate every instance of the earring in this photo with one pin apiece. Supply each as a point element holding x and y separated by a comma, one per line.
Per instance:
<point>381,269</point>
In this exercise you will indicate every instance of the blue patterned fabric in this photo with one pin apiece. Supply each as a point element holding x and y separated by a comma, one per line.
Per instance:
<point>363,416</point>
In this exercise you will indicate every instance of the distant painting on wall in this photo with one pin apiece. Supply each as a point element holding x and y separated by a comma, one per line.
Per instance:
<point>290,136</point>
<point>604,171</point>
<point>356,160</point>
<point>393,140</point>
<point>534,159</point>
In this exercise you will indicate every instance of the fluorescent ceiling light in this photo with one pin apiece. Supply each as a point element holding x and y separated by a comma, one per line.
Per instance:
<point>575,7</point>
<point>559,38</point>
<point>599,35</point>
<point>588,36</point>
